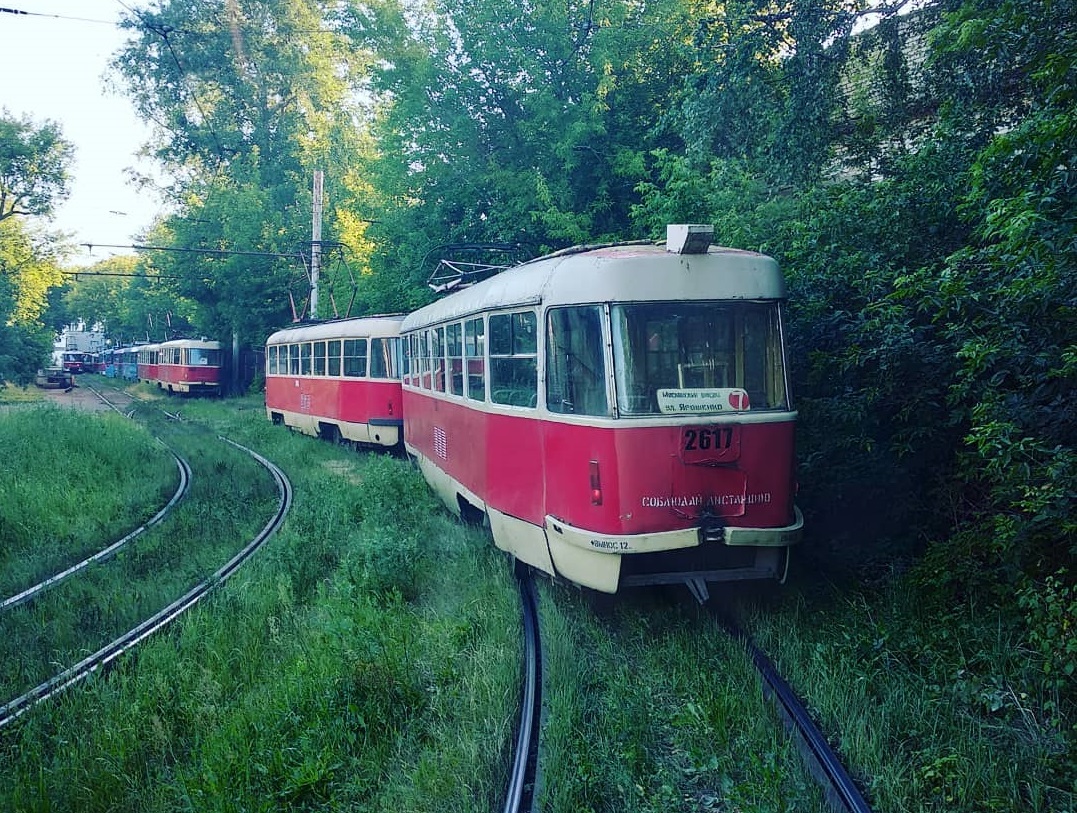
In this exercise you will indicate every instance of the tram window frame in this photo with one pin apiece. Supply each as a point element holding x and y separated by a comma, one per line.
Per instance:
<point>304,359</point>
<point>409,361</point>
<point>575,361</point>
<point>437,358</point>
<point>272,359</point>
<point>475,358</point>
<point>293,359</point>
<point>684,346</point>
<point>454,352</point>
<point>319,358</point>
<point>384,357</point>
<point>333,357</point>
<point>350,352</point>
<point>513,352</point>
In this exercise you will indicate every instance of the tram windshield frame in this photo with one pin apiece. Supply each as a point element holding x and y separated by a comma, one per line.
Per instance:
<point>695,358</point>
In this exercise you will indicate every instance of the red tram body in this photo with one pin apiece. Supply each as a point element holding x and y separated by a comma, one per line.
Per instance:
<point>620,415</point>
<point>147,356</point>
<point>188,366</point>
<point>338,380</point>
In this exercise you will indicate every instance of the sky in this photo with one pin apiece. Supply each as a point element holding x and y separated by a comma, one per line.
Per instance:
<point>52,69</point>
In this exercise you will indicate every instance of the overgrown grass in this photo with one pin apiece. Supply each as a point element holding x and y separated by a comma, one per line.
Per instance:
<point>231,497</point>
<point>936,709</point>
<point>359,661</point>
<point>14,394</point>
<point>71,483</point>
<point>655,709</point>
<point>367,659</point>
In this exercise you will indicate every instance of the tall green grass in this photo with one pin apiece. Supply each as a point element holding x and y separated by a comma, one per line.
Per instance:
<point>70,484</point>
<point>935,709</point>
<point>368,658</point>
<point>359,661</point>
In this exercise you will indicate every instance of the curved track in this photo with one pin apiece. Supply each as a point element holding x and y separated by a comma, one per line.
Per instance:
<point>103,554</point>
<point>520,795</point>
<point>838,787</point>
<point>12,710</point>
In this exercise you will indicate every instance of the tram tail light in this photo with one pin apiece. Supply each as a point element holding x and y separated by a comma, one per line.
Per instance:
<point>596,484</point>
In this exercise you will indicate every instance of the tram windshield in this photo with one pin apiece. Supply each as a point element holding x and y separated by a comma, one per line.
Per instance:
<point>688,358</point>
<point>205,358</point>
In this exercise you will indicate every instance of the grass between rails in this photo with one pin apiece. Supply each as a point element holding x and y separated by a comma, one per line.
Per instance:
<point>70,483</point>
<point>655,710</point>
<point>231,497</point>
<point>367,659</point>
<point>935,708</point>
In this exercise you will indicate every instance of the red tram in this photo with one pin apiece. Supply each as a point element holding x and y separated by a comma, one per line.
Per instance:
<point>338,380</point>
<point>147,360</point>
<point>185,366</point>
<point>620,415</point>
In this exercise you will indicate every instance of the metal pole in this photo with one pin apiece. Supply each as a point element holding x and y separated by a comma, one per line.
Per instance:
<point>316,243</point>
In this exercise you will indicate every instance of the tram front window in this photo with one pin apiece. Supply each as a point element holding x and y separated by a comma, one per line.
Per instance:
<point>205,358</point>
<point>697,357</point>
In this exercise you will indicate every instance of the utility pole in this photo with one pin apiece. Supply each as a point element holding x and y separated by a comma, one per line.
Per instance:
<point>316,244</point>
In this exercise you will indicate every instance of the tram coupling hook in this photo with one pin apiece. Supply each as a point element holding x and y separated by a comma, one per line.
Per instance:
<point>711,528</point>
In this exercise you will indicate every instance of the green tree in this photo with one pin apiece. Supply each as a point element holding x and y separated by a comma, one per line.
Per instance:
<point>34,162</point>
<point>250,99</point>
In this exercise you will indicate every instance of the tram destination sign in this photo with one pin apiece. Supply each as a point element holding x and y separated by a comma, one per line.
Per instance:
<point>702,401</point>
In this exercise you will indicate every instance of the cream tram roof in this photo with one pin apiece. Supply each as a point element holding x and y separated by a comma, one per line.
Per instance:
<point>195,344</point>
<point>372,326</point>
<point>621,273</point>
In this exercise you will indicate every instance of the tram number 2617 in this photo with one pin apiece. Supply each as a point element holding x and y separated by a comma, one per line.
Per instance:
<point>702,440</point>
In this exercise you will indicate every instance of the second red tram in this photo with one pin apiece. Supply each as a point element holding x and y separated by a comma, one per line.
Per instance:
<point>339,380</point>
<point>188,366</point>
<point>619,415</point>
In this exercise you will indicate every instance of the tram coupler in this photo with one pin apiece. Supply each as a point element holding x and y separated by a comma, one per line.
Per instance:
<point>711,529</point>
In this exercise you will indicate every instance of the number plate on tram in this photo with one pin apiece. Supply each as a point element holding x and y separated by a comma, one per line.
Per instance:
<point>710,444</point>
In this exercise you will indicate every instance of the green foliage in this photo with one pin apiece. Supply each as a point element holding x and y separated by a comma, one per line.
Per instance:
<point>34,162</point>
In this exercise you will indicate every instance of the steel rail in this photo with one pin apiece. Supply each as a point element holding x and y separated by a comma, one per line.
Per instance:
<point>107,552</point>
<point>838,786</point>
<point>181,490</point>
<point>16,708</point>
<point>520,795</point>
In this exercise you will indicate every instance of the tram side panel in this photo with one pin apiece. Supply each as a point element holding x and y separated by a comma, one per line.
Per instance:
<point>492,460</point>
<point>360,409</point>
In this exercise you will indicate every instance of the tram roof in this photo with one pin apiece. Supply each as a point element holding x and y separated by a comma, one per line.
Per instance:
<point>197,344</point>
<point>620,273</point>
<point>358,327</point>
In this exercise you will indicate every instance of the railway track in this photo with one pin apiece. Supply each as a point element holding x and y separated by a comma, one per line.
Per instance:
<point>520,795</point>
<point>838,787</point>
<point>108,552</point>
<point>15,708</point>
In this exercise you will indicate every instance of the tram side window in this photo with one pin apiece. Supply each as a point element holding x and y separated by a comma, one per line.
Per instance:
<point>454,349</point>
<point>319,358</point>
<point>200,357</point>
<point>293,359</point>
<point>437,357</point>
<point>410,363</point>
<point>304,358</point>
<point>271,359</point>
<point>385,358</point>
<point>513,359</point>
<point>475,354</point>
<point>355,358</point>
<point>424,359</point>
<point>575,365</point>
<point>333,357</point>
